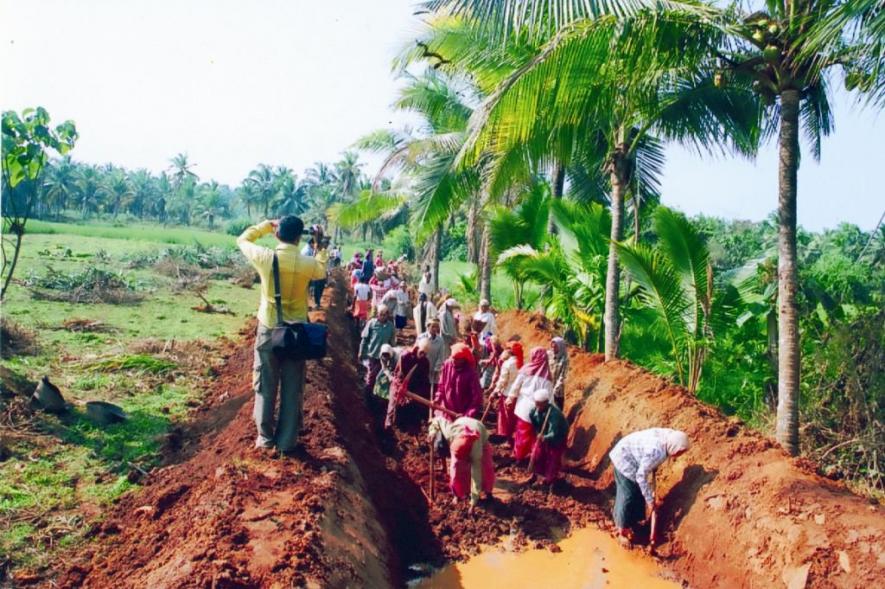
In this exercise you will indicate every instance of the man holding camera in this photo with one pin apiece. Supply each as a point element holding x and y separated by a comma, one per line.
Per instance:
<point>270,372</point>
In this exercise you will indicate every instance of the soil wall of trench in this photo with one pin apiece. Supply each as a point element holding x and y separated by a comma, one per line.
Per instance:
<point>738,511</point>
<point>350,511</point>
<point>223,514</point>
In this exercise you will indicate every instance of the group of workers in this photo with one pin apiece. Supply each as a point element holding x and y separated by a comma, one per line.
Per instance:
<point>457,365</point>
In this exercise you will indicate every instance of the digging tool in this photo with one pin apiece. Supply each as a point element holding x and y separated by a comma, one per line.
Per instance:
<point>432,470</point>
<point>488,406</point>
<point>431,404</point>
<point>653,521</point>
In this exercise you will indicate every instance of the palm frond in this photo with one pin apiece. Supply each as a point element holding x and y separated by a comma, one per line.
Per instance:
<point>689,256</point>
<point>660,287</point>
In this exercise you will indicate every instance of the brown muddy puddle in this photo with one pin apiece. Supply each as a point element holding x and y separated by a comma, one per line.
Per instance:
<point>590,559</point>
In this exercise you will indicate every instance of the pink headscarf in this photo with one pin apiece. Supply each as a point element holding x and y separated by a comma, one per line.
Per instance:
<point>539,364</point>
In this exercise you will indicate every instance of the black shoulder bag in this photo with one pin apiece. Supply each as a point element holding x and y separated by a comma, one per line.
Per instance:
<point>295,340</point>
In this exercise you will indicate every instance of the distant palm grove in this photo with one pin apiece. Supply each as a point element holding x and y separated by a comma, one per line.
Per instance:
<point>538,156</point>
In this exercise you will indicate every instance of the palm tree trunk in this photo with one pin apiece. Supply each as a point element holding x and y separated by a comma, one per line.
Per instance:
<point>435,249</point>
<point>485,265</point>
<point>787,430</point>
<point>613,275</point>
<point>636,205</point>
<point>558,189</point>
<point>472,230</point>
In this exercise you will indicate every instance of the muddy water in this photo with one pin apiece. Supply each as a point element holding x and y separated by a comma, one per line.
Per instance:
<point>590,559</point>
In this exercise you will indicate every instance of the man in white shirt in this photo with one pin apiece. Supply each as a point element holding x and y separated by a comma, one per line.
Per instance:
<point>485,316</point>
<point>425,285</point>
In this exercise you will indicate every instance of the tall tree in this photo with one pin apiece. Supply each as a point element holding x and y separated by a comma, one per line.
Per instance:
<point>622,87</point>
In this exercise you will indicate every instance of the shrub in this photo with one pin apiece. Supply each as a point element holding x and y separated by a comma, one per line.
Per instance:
<point>237,226</point>
<point>16,340</point>
<point>93,285</point>
<point>398,243</point>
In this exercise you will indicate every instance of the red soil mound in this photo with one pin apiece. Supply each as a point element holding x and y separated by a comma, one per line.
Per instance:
<point>227,516</point>
<point>738,512</point>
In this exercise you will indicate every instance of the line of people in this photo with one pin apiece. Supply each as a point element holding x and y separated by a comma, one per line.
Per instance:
<point>457,365</point>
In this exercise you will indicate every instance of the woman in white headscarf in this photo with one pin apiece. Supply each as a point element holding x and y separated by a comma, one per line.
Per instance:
<point>635,458</point>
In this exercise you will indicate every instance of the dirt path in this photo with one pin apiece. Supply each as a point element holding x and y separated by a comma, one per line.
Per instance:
<point>353,511</point>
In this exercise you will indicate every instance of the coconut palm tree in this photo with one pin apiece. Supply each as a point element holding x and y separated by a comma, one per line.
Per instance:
<point>619,88</point>
<point>425,156</point>
<point>790,52</point>
<point>117,190</point>
<point>89,182</point>
<point>263,186</point>
<point>60,184</point>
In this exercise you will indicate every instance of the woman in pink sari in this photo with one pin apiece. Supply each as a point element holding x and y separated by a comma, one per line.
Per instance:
<point>458,388</point>
<point>534,376</point>
<point>471,469</point>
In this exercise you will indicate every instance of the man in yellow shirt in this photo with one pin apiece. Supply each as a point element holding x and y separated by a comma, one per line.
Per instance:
<point>296,273</point>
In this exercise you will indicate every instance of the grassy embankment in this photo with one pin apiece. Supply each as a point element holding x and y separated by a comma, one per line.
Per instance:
<point>59,473</point>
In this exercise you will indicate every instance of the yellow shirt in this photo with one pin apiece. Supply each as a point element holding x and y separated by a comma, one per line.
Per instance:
<point>296,272</point>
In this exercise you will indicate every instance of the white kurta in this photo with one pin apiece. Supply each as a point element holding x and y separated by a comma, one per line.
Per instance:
<point>523,390</point>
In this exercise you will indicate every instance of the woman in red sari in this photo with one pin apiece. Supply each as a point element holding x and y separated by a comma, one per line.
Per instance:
<point>511,363</point>
<point>458,388</point>
<point>534,376</point>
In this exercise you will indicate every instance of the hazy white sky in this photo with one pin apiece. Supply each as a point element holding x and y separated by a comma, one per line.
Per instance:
<point>235,83</point>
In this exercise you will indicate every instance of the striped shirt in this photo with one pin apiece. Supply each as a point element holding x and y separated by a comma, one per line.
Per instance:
<point>637,456</point>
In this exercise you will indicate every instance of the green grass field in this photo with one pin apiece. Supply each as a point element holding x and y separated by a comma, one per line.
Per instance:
<point>60,469</point>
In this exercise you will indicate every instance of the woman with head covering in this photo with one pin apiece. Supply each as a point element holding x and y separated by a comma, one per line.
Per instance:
<point>447,322</point>
<point>511,363</point>
<point>491,360</point>
<point>362,301</point>
<point>412,374</point>
<point>458,388</point>
<point>470,468</point>
<point>534,376</point>
<point>635,458</point>
<point>388,361</point>
<point>551,428</point>
<point>558,369</point>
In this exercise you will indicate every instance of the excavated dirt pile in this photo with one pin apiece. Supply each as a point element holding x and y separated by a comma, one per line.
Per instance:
<point>222,514</point>
<point>737,512</point>
<point>353,510</point>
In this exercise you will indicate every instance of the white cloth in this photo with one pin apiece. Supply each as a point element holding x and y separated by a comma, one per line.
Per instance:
<point>362,291</point>
<point>638,455</point>
<point>402,302</point>
<point>436,354</point>
<point>424,286</point>
<point>523,390</point>
<point>489,319</point>
<point>430,313</point>
<point>307,250</point>
<point>506,376</point>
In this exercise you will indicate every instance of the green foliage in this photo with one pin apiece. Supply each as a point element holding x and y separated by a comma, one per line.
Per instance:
<point>399,242</point>
<point>236,227</point>
<point>136,363</point>
<point>454,243</point>
<point>92,279</point>
<point>26,139</point>
<point>675,278</point>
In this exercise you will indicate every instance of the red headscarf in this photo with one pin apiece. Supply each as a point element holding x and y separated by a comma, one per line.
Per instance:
<point>462,352</point>
<point>516,349</point>
<point>539,365</point>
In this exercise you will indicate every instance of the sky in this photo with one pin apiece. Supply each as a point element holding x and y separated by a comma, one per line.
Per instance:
<point>292,82</point>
